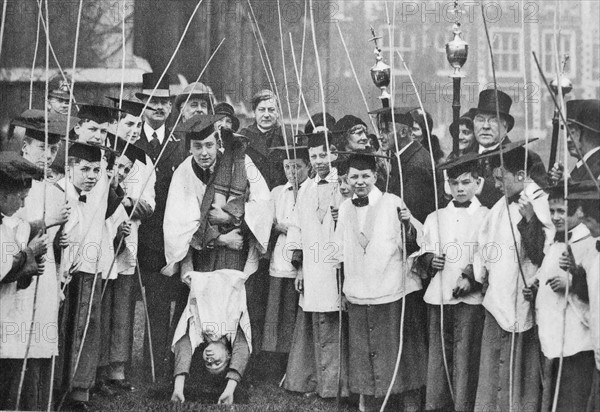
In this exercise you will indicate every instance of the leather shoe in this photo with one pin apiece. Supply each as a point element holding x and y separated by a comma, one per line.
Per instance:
<point>103,389</point>
<point>121,384</point>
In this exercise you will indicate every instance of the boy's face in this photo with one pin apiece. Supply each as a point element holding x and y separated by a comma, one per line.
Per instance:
<point>129,127</point>
<point>11,201</point>
<point>464,187</point>
<point>35,153</point>
<point>320,161</point>
<point>84,175</point>
<point>296,170</point>
<point>511,184</point>
<point>216,357</point>
<point>558,213</point>
<point>91,132</point>
<point>124,166</point>
<point>361,181</point>
<point>205,151</point>
<point>345,188</point>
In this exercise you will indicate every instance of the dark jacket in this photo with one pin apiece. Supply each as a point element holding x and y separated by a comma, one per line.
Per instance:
<point>417,178</point>
<point>579,174</point>
<point>490,195</point>
<point>258,150</point>
<point>151,231</point>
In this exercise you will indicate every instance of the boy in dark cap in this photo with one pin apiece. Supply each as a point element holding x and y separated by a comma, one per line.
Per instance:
<point>282,303</point>
<point>548,292</point>
<point>204,236</point>
<point>498,269</point>
<point>81,269</point>
<point>586,278</point>
<point>93,123</point>
<point>314,360</point>
<point>23,253</point>
<point>370,245</point>
<point>583,119</point>
<point>446,255</point>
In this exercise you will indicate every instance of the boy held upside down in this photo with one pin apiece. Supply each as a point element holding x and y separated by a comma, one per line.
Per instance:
<point>216,320</point>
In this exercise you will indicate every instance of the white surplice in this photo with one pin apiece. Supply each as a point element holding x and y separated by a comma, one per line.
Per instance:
<point>182,215</point>
<point>497,260</point>
<point>315,237</point>
<point>216,307</point>
<point>369,241</point>
<point>591,264</point>
<point>458,228</point>
<point>285,214</point>
<point>549,305</point>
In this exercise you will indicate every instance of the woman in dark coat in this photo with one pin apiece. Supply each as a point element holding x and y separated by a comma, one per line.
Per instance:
<point>419,133</point>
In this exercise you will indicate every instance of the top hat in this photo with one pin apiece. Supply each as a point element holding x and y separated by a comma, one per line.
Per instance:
<point>487,104</point>
<point>149,81</point>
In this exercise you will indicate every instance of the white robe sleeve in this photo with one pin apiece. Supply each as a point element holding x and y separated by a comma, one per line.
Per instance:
<point>182,215</point>
<point>259,211</point>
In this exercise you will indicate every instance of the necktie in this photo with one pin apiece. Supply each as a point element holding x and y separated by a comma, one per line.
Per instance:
<point>360,201</point>
<point>83,198</point>
<point>598,245</point>
<point>1,217</point>
<point>461,205</point>
<point>154,142</point>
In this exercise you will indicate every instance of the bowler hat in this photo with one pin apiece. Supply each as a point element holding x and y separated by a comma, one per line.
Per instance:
<point>585,113</point>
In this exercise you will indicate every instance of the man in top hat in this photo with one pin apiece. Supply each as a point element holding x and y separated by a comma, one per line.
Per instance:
<point>58,95</point>
<point>583,119</point>
<point>196,98</point>
<point>151,254</point>
<point>490,132</point>
<point>264,133</point>
<point>417,172</point>
<point>22,259</point>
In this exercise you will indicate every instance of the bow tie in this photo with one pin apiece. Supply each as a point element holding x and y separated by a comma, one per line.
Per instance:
<point>560,237</point>
<point>360,201</point>
<point>598,245</point>
<point>514,198</point>
<point>461,205</point>
<point>83,198</point>
<point>322,182</point>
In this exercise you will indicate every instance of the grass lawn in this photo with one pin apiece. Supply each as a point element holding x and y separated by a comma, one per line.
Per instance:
<point>253,395</point>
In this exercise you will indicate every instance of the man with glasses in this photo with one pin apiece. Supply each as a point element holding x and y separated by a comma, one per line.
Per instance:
<point>491,131</point>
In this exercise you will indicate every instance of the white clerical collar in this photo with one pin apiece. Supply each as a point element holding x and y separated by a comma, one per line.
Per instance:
<point>487,149</point>
<point>579,232</point>
<point>586,157</point>
<point>149,131</point>
<point>261,129</point>
<point>374,196</point>
<point>287,185</point>
<point>404,149</point>
<point>332,177</point>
